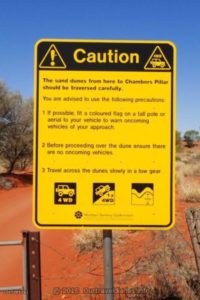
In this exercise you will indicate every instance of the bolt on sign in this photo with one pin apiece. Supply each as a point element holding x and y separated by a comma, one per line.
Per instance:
<point>104,134</point>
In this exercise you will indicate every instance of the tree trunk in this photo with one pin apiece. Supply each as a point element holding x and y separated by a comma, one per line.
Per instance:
<point>11,167</point>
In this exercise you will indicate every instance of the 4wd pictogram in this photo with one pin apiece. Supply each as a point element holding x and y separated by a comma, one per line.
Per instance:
<point>103,193</point>
<point>65,190</point>
<point>65,193</point>
<point>157,61</point>
<point>101,189</point>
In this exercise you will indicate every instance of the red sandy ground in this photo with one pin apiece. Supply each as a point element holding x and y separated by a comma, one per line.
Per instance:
<point>62,265</point>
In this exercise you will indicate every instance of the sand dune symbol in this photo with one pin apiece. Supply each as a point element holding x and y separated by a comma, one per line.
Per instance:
<point>146,192</point>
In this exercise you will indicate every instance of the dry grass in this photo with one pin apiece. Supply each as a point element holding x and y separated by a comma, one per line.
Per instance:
<point>168,263</point>
<point>191,192</point>
<point>185,176</point>
<point>188,157</point>
<point>89,240</point>
<point>192,169</point>
<point>170,266</point>
<point>179,172</point>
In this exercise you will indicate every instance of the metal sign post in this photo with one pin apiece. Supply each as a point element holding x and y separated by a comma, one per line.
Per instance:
<point>108,264</point>
<point>32,265</point>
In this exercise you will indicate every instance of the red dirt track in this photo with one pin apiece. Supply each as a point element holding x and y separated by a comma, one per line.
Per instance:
<point>62,265</point>
<point>15,216</point>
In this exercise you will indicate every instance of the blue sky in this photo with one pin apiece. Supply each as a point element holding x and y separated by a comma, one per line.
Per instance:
<point>23,22</point>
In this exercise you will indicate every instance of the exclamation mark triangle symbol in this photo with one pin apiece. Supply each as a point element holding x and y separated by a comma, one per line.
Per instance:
<point>52,59</point>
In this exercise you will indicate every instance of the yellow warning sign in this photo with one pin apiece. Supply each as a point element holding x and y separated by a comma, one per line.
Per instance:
<point>157,61</point>
<point>52,59</point>
<point>104,138</point>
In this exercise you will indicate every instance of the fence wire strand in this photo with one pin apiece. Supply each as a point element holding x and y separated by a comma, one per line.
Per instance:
<point>159,247</point>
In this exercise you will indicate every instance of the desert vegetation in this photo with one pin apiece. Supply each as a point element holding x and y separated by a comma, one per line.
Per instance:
<point>16,127</point>
<point>191,137</point>
<point>159,266</point>
<point>188,175</point>
<point>16,133</point>
<point>165,267</point>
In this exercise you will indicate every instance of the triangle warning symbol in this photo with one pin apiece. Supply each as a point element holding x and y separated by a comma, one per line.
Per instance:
<point>52,59</point>
<point>157,61</point>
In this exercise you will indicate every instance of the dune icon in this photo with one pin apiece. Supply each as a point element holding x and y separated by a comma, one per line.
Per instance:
<point>142,194</point>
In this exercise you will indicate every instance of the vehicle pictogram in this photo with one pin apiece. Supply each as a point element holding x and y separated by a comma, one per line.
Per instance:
<point>157,61</point>
<point>103,193</point>
<point>102,189</point>
<point>52,59</point>
<point>142,194</point>
<point>65,193</point>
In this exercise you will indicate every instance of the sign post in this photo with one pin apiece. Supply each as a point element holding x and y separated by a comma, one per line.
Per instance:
<point>108,265</point>
<point>104,134</point>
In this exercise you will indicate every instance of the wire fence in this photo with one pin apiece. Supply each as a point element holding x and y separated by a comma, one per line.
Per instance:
<point>147,265</point>
<point>160,266</point>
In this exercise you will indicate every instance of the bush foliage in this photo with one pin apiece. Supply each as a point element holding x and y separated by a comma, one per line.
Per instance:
<point>16,129</point>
